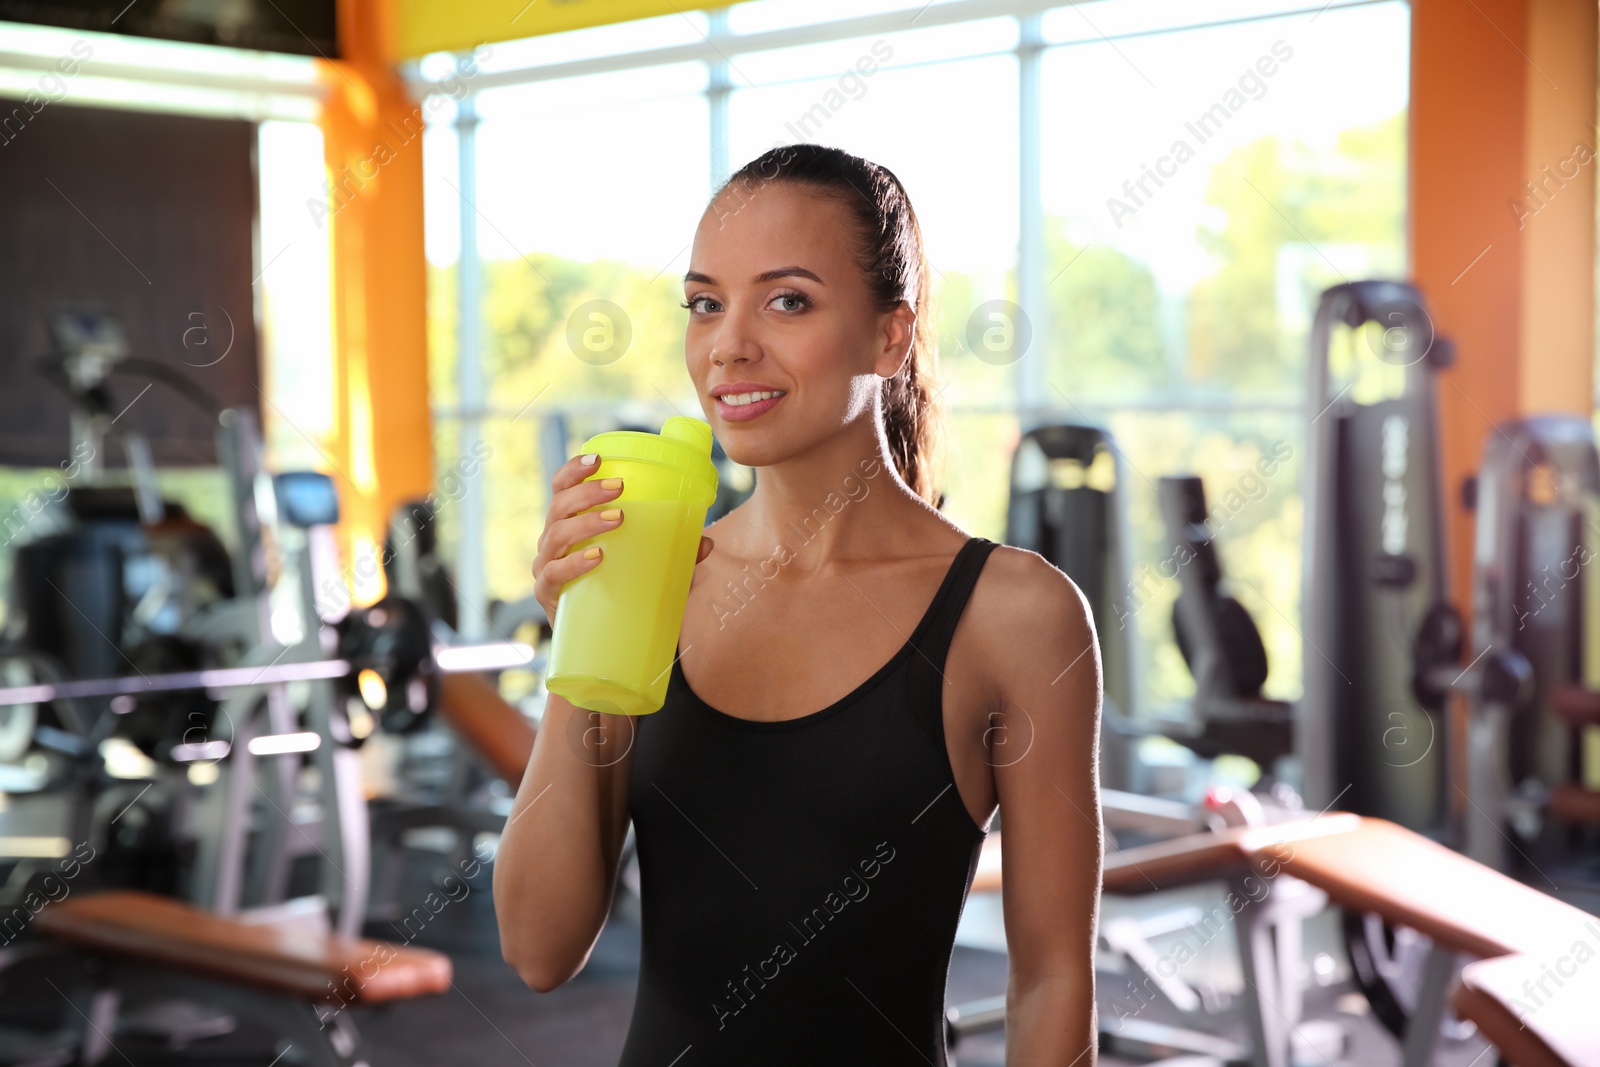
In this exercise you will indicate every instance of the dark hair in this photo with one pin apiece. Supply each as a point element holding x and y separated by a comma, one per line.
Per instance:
<point>892,259</point>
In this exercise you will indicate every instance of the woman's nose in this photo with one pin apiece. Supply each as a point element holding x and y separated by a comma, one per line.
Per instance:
<point>733,344</point>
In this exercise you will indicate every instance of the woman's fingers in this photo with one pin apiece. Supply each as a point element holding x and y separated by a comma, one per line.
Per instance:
<point>575,470</point>
<point>566,533</point>
<point>557,573</point>
<point>571,499</point>
<point>570,519</point>
<point>573,517</point>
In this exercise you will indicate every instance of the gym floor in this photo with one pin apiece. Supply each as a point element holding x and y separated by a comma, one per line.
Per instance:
<point>583,1024</point>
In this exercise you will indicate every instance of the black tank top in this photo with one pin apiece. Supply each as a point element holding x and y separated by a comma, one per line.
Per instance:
<point>801,881</point>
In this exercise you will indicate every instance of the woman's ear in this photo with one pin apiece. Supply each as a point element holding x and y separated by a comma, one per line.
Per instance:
<point>899,335</point>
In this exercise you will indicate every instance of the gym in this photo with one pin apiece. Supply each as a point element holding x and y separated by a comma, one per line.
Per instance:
<point>1139,459</point>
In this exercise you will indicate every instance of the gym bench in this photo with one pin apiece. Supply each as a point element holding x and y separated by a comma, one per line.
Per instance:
<point>1495,995</point>
<point>278,975</point>
<point>1374,866</point>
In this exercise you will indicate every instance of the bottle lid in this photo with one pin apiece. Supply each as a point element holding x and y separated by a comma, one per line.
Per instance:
<point>696,433</point>
<point>684,445</point>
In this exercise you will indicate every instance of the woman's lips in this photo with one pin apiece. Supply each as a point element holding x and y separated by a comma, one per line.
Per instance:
<point>746,412</point>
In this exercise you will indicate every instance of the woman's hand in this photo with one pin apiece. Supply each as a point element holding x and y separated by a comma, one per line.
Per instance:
<point>569,521</point>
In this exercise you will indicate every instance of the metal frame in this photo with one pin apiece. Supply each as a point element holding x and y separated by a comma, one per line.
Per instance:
<point>720,45</point>
<point>234,874</point>
<point>331,1043</point>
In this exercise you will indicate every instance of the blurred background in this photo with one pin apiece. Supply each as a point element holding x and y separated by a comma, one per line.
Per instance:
<point>1179,320</point>
<point>422,251</point>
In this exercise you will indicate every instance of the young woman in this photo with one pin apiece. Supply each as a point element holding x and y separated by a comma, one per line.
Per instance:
<point>860,685</point>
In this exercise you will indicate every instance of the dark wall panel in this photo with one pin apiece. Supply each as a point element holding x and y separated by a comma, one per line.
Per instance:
<point>148,217</point>
<point>307,27</point>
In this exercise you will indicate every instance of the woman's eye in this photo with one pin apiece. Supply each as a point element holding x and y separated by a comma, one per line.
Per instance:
<point>697,303</point>
<point>791,301</point>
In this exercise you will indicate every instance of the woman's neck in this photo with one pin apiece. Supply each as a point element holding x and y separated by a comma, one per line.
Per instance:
<point>849,503</point>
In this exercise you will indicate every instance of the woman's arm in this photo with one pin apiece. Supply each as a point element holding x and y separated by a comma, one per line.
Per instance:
<point>556,868</point>
<point>1047,661</point>
<point>557,863</point>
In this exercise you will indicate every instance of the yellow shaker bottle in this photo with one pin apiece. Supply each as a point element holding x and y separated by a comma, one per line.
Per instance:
<point>617,625</point>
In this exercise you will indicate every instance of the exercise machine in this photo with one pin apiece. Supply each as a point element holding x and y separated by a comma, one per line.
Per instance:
<point>1374,567</point>
<point>1531,799</point>
<point>232,950</point>
<point>1377,736</point>
<point>128,580</point>
<point>1065,503</point>
<point>1220,644</point>
<point>1374,556</point>
<point>246,707</point>
<point>455,777</point>
<point>1378,659</point>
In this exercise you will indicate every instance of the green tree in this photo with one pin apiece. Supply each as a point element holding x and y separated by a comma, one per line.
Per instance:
<point>1273,193</point>
<point>1104,320</point>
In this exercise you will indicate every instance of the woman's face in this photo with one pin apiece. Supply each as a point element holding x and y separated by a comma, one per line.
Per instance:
<point>777,303</point>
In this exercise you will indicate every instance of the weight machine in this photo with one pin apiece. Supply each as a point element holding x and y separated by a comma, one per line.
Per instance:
<point>1532,743</point>
<point>248,704</point>
<point>1376,650</point>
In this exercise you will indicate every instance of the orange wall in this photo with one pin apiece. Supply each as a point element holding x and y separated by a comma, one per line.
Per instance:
<point>1498,88</point>
<point>1557,215</point>
<point>372,134</point>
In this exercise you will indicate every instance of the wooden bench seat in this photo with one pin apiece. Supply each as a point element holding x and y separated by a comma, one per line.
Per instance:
<point>293,962</point>
<point>1574,803</point>
<point>1556,1026</point>
<point>1188,859</point>
<point>1457,903</point>
<point>498,732</point>
<point>1574,703</point>
<point>1365,864</point>
<point>1462,906</point>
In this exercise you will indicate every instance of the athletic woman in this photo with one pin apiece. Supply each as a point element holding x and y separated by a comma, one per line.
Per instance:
<point>860,685</point>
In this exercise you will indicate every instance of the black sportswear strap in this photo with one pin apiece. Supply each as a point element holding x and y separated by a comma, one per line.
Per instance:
<point>925,671</point>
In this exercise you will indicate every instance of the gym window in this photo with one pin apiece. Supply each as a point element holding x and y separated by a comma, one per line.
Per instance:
<point>1177,315</point>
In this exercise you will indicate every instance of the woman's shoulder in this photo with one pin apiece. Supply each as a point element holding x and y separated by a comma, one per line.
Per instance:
<point>1019,591</point>
<point>1025,625</point>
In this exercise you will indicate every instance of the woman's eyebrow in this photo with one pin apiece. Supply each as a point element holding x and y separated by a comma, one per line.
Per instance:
<point>764,276</point>
<point>786,272</point>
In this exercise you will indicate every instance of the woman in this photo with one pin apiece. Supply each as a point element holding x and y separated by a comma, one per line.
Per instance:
<point>860,684</point>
